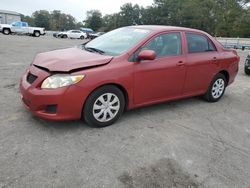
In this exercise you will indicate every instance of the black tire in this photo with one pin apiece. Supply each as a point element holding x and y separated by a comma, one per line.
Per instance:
<point>36,34</point>
<point>211,95</point>
<point>82,37</point>
<point>247,71</point>
<point>64,36</point>
<point>6,31</point>
<point>88,110</point>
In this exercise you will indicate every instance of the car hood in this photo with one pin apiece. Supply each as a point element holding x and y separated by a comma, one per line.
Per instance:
<point>5,25</point>
<point>67,60</point>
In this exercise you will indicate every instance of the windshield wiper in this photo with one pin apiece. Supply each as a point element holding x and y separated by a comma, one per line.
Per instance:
<point>90,49</point>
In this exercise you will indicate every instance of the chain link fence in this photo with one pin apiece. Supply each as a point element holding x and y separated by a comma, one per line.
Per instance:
<point>236,43</point>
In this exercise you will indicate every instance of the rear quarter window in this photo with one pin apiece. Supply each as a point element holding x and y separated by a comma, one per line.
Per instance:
<point>198,43</point>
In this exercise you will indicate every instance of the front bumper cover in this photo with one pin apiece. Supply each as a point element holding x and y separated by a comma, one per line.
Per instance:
<point>68,100</point>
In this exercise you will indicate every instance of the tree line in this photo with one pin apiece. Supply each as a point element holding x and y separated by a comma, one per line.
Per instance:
<point>228,18</point>
<point>54,20</point>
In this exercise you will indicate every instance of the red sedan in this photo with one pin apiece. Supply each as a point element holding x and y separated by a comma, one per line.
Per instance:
<point>124,69</point>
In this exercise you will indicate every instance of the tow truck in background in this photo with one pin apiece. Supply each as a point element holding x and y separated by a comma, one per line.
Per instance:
<point>21,28</point>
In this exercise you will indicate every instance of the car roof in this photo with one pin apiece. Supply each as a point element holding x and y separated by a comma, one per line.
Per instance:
<point>159,28</point>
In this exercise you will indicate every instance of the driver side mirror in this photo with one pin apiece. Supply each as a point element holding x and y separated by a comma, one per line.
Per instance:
<point>146,55</point>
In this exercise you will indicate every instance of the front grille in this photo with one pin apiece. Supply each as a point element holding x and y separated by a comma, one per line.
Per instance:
<point>31,78</point>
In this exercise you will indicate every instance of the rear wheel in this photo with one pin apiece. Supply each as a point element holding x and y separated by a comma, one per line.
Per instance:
<point>216,88</point>
<point>6,31</point>
<point>104,106</point>
<point>36,34</point>
<point>64,36</point>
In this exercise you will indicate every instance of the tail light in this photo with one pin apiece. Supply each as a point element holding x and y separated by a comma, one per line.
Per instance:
<point>235,52</point>
<point>237,56</point>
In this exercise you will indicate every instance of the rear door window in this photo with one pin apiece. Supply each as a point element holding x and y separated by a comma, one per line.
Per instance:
<point>199,43</point>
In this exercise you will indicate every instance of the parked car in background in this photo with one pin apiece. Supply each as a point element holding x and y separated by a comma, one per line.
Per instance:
<point>127,68</point>
<point>87,31</point>
<point>56,34</point>
<point>94,35</point>
<point>247,65</point>
<point>21,28</point>
<point>73,34</point>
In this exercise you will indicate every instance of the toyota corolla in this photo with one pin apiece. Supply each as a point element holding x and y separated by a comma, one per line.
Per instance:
<point>127,68</point>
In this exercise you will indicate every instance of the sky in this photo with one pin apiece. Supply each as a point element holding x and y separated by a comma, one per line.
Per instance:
<point>76,8</point>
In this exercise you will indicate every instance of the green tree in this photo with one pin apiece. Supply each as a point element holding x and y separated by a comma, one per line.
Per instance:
<point>94,19</point>
<point>130,15</point>
<point>55,20</point>
<point>218,17</point>
<point>41,19</point>
<point>149,16</point>
<point>67,21</point>
<point>243,24</point>
<point>111,21</point>
<point>28,19</point>
<point>79,25</point>
<point>228,18</point>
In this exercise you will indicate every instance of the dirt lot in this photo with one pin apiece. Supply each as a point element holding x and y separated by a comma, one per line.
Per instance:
<point>187,143</point>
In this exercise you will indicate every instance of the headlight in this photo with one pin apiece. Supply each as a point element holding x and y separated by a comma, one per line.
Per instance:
<point>60,80</point>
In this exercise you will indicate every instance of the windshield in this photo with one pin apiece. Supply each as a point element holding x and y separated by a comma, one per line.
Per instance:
<point>118,41</point>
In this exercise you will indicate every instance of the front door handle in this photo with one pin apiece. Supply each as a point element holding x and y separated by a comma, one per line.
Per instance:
<point>180,63</point>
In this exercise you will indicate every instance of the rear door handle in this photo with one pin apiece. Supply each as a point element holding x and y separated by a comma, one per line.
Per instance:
<point>214,59</point>
<point>180,63</point>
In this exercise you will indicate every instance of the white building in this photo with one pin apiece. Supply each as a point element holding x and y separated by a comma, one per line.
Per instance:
<point>7,17</point>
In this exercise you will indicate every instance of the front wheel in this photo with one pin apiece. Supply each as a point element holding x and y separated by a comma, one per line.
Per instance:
<point>216,88</point>
<point>104,106</point>
<point>82,37</point>
<point>6,31</point>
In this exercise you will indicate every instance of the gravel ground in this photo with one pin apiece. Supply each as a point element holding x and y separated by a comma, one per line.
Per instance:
<point>187,143</point>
